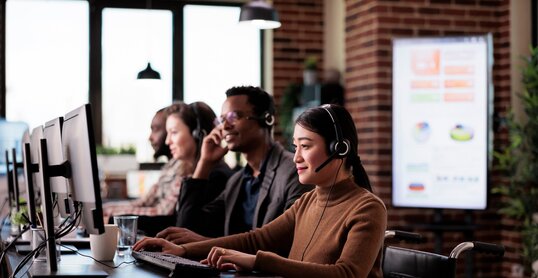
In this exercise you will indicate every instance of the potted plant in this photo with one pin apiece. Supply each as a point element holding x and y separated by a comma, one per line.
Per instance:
<point>116,161</point>
<point>21,218</point>
<point>310,70</point>
<point>519,161</point>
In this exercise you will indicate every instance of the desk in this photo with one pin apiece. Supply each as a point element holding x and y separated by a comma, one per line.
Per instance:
<point>74,263</point>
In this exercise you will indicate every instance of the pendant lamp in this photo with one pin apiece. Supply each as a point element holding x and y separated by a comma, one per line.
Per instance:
<point>260,14</point>
<point>148,73</point>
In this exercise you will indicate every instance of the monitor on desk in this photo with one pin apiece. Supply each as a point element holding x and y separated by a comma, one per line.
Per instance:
<point>33,179</point>
<point>52,132</point>
<point>79,148</point>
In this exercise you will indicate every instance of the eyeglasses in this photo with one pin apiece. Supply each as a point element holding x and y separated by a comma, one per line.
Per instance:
<point>232,117</point>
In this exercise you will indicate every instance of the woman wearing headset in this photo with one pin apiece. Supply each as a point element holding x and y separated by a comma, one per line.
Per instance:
<point>186,126</point>
<point>335,230</point>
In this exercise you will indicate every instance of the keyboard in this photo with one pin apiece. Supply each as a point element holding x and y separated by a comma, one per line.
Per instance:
<point>177,265</point>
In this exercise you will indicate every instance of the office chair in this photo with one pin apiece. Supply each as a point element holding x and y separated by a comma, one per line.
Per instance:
<point>409,263</point>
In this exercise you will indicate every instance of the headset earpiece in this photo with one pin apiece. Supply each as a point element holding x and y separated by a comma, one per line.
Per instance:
<point>340,148</point>
<point>269,120</point>
<point>197,133</point>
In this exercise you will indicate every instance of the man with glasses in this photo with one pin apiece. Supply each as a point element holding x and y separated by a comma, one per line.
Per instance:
<point>257,193</point>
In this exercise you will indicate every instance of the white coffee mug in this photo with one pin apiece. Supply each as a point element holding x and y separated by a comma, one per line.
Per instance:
<point>104,246</point>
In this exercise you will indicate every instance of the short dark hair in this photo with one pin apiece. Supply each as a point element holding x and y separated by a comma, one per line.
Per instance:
<point>258,98</point>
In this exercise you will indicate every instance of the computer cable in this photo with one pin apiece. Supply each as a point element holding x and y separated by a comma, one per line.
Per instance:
<point>83,255</point>
<point>323,211</point>
<point>58,234</point>
<point>25,260</point>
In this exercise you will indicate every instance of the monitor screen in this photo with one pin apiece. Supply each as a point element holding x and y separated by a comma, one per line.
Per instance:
<point>441,125</point>
<point>79,149</point>
<point>52,132</point>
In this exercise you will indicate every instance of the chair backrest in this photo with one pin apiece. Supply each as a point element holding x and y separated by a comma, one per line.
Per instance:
<point>408,263</point>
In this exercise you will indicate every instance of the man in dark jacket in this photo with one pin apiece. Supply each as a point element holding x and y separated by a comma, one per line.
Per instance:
<point>257,193</point>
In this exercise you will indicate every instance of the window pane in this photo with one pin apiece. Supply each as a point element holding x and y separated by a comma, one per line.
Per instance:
<point>131,39</point>
<point>46,59</point>
<point>218,53</point>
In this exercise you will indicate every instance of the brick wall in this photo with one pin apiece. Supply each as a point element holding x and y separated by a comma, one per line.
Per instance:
<point>300,36</point>
<point>370,26</point>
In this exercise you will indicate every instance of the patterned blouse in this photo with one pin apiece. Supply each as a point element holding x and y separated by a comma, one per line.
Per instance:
<point>161,199</point>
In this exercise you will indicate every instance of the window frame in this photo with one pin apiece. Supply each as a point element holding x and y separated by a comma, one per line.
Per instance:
<point>95,50</point>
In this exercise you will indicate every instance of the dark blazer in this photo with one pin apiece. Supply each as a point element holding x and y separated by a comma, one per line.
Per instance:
<point>279,189</point>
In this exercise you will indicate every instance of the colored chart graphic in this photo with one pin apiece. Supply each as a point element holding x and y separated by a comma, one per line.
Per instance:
<point>461,133</point>
<point>421,132</point>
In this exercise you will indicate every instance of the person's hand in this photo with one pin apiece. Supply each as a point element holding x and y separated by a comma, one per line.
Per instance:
<point>180,235</point>
<point>211,148</point>
<point>158,244</point>
<point>222,258</point>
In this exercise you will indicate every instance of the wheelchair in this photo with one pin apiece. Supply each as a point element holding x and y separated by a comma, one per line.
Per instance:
<point>409,263</point>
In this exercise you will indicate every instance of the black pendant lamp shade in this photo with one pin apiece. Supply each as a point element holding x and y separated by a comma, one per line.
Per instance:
<point>149,73</point>
<point>260,14</point>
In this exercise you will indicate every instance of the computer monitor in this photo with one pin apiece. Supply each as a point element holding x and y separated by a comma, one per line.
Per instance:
<point>32,192</point>
<point>52,132</point>
<point>79,149</point>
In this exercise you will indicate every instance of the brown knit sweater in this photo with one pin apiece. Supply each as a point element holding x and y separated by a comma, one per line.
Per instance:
<point>347,242</point>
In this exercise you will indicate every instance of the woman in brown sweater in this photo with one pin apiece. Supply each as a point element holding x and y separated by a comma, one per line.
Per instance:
<point>335,230</point>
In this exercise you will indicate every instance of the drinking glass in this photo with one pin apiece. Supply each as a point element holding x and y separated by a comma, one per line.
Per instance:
<point>127,238</point>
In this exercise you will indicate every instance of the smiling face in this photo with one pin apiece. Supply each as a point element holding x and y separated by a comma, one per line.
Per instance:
<point>179,139</point>
<point>241,133</point>
<point>310,153</point>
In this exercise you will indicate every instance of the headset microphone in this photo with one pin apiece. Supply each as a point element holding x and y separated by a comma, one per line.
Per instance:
<point>339,148</point>
<point>329,159</point>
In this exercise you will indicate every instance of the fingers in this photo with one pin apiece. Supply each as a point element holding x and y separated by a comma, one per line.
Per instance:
<point>214,255</point>
<point>148,242</point>
<point>214,136</point>
<point>166,232</point>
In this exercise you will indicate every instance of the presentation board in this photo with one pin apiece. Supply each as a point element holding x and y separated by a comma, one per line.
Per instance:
<point>442,107</point>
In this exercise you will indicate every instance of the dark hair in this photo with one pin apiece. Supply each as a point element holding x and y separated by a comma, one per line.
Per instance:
<point>258,98</point>
<point>319,121</point>
<point>206,116</point>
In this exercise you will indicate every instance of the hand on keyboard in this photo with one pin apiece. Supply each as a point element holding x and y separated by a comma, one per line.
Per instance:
<point>159,244</point>
<point>222,258</point>
<point>179,235</point>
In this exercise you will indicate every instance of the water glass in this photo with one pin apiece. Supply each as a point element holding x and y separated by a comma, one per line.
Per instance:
<point>128,226</point>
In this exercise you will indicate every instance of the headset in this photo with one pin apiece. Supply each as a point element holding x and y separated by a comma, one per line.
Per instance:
<point>339,147</point>
<point>198,133</point>
<point>267,120</point>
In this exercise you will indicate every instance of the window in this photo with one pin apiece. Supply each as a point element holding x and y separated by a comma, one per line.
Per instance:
<point>218,53</point>
<point>46,59</point>
<point>50,69</point>
<point>130,39</point>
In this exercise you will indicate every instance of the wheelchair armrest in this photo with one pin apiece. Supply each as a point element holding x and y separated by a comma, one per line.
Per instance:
<point>405,236</point>
<point>477,246</point>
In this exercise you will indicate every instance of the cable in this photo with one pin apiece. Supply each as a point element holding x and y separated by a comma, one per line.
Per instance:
<point>83,255</point>
<point>25,260</point>
<point>323,211</point>
<point>4,252</point>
